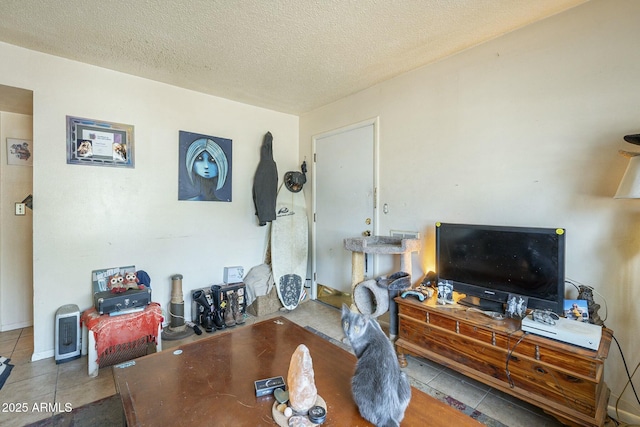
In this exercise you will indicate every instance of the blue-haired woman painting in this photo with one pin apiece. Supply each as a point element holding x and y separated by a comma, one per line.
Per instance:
<point>207,168</point>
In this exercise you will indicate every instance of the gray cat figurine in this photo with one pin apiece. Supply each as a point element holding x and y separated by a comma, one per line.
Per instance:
<point>380,389</point>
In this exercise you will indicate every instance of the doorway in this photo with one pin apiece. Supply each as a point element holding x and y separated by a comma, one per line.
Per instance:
<point>16,231</point>
<point>344,205</point>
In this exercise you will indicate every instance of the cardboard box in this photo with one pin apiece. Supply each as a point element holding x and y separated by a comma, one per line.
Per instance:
<point>265,304</point>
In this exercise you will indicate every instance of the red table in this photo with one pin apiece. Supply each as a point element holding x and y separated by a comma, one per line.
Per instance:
<point>114,339</point>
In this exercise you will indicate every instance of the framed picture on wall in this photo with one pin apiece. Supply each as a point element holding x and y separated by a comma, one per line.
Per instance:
<point>19,152</point>
<point>99,143</point>
<point>204,172</point>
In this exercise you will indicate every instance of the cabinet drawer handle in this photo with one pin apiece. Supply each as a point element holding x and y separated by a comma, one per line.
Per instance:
<point>540,370</point>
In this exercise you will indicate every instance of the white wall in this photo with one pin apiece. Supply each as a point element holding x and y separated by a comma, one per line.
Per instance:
<point>16,239</point>
<point>523,130</point>
<point>87,218</point>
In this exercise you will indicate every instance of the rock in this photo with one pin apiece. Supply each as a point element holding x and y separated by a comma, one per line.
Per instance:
<point>281,395</point>
<point>301,380</point>
<point>300,421</point>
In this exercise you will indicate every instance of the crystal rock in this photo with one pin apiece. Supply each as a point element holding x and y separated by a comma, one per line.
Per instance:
<point>301,380</point>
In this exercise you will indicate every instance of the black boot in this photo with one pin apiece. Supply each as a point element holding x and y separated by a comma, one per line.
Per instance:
<point>205,315</point>
<point>217,307</point>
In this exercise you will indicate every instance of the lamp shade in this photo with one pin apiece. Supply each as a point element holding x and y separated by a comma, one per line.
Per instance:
<point>629,187</point>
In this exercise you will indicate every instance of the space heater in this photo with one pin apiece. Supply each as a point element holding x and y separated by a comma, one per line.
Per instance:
<point>67,333</point>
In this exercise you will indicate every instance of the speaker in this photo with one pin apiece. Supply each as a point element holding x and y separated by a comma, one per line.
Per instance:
<point>67,333</point>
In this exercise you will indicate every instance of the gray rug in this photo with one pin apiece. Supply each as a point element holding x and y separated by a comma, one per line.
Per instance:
<point>5,370</point>
<point>106,412</point>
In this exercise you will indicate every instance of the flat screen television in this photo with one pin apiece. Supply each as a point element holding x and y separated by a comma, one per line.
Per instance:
<point>488,262</point>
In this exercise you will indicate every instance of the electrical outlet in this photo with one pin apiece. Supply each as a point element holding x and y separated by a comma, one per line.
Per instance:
<point>20,208</point>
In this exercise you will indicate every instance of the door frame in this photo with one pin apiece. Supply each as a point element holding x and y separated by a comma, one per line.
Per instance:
<point>375,121</point>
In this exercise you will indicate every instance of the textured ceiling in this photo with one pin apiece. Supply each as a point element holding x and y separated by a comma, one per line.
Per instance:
<point>287,55</point>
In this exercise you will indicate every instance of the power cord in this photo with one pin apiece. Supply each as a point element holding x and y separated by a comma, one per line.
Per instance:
<point>624,362</point>
<point>629,376</point>
<point>509,353</point>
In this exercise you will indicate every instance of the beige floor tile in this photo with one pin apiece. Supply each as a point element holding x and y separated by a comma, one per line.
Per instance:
<point>30,390</point>
<point>75,373</point>
<point>27,332</point>
<point>461,390</point>
<point>30,370</point>
<point>25,343</point>
<point>422,370</point>
<point>514,415</point>
<point>73,364</point>
<point>100,387</point>
<point>21,356</point>
<point>28,412</point>
<point>7,347</point>
<point>12,335</point>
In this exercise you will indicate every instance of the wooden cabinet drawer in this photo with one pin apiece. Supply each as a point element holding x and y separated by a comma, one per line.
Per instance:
<point>565,380</point>
<point>571,359</point>
<point>568,361</point>
<point>468,354</point>
<point>412,311</point>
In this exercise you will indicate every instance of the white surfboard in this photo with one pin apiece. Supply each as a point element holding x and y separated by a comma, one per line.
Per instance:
<point>289,246</point>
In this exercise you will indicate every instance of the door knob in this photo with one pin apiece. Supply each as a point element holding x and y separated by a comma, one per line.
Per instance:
<point>366,233</point>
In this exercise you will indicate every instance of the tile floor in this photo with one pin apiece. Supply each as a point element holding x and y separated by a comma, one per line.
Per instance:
<point>43,386</point>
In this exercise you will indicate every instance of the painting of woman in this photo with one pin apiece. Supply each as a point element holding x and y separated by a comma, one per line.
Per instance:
<point>205,168</point>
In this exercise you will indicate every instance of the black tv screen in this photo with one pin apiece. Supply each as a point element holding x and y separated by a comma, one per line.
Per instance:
<point>490,262</point>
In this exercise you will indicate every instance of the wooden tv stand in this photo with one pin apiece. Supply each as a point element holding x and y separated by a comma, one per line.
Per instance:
<point>564,380</point>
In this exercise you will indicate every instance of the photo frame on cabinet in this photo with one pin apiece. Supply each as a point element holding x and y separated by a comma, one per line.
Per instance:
<point>516,306</point>
<point>19,152</point>
<point>99,143</point>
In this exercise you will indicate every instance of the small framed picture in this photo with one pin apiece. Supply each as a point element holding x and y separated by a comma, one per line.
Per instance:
<point>576,309</point>
<point>516,306</point>
<point>99,143</point>
<point>445,292</point>
<point>19,152</point>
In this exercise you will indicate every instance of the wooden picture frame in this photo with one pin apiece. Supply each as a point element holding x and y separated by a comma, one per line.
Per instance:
<point>99,143</point>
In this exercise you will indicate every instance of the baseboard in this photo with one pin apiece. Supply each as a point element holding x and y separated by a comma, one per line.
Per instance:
<point>623,416</point>
<point>42,355</point>
<point>18,325</point>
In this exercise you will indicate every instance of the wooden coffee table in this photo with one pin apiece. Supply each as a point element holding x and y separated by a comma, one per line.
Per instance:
<point>211,381</point>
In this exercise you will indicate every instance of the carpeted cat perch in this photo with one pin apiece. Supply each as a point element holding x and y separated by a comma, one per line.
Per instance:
<point>375,297</point>
<point>370,298</point>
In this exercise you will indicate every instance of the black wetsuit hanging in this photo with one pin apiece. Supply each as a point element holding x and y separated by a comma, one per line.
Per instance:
<point>265,183</point>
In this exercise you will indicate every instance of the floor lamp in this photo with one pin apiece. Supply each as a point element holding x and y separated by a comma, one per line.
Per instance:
<point>629,187</point>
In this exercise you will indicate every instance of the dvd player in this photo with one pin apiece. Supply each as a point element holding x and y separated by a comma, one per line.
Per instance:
<point>566,330</point>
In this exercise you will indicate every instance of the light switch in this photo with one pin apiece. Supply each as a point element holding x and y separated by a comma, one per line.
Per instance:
<point>20,208</point>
